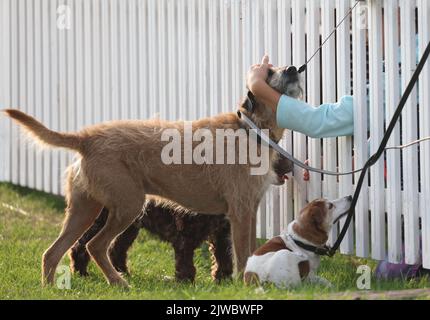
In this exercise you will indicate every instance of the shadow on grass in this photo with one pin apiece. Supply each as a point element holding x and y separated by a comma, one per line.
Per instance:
<point>52,201</point>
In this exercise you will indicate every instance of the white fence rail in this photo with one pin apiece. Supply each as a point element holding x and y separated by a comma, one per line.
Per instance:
<point>73,62</point>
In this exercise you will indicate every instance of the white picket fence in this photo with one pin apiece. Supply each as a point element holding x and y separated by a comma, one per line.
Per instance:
<point>74,62</point>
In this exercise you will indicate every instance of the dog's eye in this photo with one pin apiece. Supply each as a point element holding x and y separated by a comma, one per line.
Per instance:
<point>330,206</point>
<point>271,72</point>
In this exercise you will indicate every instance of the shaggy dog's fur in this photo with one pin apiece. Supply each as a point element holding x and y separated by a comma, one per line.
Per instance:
<point>184,232</point>
<point>121,164</point>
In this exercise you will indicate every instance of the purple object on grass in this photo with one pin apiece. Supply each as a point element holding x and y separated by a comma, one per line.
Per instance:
<point>388,271</point>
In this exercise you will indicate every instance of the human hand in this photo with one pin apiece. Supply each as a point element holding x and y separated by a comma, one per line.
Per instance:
<point>258,72</point>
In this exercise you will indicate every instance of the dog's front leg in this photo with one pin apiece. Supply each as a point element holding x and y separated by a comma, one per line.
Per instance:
<point>241,238</point>
<point>253,233</point>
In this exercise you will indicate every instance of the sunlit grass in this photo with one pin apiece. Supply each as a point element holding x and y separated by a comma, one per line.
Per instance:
<point>30,221</point>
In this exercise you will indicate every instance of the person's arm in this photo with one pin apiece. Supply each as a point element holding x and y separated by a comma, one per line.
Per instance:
<point>326,121</point>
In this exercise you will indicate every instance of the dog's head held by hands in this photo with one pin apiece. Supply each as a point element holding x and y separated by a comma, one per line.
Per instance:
<point>285,80</point>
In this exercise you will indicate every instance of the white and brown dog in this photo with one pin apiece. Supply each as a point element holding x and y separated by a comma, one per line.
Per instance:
<point>282,261</point>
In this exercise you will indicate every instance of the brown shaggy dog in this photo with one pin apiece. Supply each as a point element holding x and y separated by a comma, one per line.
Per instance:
<point>121,164</point>
<point>184,232</point>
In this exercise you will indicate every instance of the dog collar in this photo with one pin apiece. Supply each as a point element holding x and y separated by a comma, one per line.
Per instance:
<point>318,250</point>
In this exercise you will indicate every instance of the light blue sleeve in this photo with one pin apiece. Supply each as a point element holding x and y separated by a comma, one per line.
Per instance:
<point>326,121</point>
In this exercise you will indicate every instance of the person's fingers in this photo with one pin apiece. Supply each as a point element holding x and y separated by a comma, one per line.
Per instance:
<point>265,60</point>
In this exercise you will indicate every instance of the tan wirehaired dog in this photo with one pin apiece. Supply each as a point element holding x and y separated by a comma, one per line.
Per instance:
<point>121,164</point>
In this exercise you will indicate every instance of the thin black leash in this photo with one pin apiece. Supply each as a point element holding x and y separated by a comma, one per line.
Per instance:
<point>331,33</point>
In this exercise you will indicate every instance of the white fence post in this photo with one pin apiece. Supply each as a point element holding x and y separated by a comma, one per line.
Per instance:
<point>70,121</point>
<point>172,53</point>
<point>270,44</point>
<point>313,22</point>
<point>377,195</point>
<point>329,95</point>
<point>284,59</point>
<point>343,54</point>
<point>14,86</point>
<point>5,98</point>
<point>424,102</point>
<point>182,58</point>
<point>299,58</point>
<point>360,127</point>
<point>23,92</point>
<point>162,62</point>
<point>409,132</point>
<point>392,97</point>
<point>45,91</point>
<point>38,93</point>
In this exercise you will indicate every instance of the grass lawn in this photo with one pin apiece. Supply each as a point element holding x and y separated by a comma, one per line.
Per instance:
<point>30,221</point>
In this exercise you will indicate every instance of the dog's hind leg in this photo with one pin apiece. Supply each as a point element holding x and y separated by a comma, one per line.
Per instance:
<point>78,254</point>
<point>81,212</point>
<point>127,203</point>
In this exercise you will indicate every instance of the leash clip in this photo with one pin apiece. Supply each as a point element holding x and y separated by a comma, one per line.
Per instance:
<point>323,251</point>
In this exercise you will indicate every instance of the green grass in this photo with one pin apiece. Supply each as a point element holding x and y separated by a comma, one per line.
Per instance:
<point>25,234</point>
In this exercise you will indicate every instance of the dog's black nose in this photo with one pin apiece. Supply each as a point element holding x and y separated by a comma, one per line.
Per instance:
<point>291,70</point>
<point>349,198</point>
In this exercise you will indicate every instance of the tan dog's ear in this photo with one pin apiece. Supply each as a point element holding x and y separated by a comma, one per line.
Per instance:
<point>318,214</point>
<point>311,226</point>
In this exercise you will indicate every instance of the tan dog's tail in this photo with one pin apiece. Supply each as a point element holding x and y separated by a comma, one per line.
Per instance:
<point>43,134</point>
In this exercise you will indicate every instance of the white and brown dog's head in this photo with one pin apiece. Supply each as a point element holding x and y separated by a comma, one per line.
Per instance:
<point>317,218</point>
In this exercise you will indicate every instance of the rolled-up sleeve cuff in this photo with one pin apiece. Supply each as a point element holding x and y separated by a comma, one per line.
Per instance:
<point>288,112</point>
